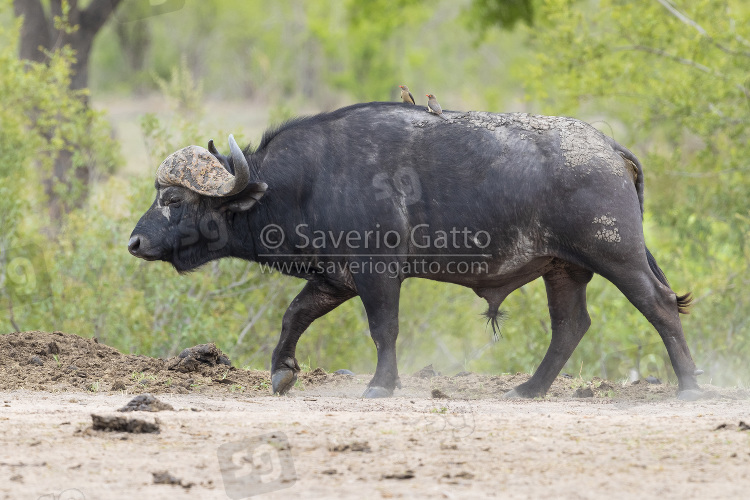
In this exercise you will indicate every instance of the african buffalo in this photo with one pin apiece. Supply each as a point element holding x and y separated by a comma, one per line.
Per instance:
<point>359,199</point>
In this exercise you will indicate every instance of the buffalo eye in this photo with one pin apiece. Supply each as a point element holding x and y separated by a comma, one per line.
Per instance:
<point>172,201</point>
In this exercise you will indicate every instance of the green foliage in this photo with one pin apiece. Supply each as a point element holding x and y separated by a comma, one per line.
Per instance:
<point>503,13</point>
<point>366,42</point>
<point>40,118</point>
<point>308,56</point>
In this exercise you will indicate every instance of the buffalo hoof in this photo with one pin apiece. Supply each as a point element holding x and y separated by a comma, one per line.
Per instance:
<point>512,394</point>
<point>690,395</point>
<point>282,380</point>
<point>377,392</point>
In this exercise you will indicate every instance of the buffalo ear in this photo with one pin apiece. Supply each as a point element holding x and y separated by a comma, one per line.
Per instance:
<point>247,199</point>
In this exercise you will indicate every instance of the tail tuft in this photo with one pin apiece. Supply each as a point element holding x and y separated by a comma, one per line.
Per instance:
<point>684,302</point>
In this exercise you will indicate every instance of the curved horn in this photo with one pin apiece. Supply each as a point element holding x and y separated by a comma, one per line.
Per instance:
<point>241,177</point>
<point>212,148</point>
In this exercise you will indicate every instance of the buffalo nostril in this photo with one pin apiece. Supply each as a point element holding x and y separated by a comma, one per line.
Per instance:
<point>134,244</point>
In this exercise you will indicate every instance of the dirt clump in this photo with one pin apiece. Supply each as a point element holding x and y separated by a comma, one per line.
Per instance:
<point>316,377</point>
<point>360,446</point>
<point>66,362</point>
<point>191,359</point>
<point>407,474</point>
<point>742,426</point>
<point>146,402</point>
<point>123,424</point>
<point>426,372</point>
<point>584,392</point>
<point>438,394</point>
<point>164,477</point>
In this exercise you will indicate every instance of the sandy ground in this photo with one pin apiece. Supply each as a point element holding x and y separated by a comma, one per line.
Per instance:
<point>227,437</point>
<point>310,445</point>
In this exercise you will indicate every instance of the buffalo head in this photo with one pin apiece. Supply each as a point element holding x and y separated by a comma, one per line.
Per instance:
<point>198,191</point>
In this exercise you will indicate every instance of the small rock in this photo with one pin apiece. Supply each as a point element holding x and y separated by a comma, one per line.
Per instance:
<point>566,375</point>
<point>330,472</point>
<point>36,361</point>
<point>584,392</point>
<point>652,380</point>
<point>343,372</point>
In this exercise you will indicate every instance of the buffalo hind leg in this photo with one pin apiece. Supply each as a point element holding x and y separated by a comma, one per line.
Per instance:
<point>658,303</point>
<point>380,297</point>
<point>566,299</point>
<point>315,300</point>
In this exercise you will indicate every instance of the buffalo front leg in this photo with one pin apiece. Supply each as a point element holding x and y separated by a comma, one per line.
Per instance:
<point>315,300</point>
<point>566,298</point>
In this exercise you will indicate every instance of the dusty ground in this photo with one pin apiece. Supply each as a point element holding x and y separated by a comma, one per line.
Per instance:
<point>228,438</point>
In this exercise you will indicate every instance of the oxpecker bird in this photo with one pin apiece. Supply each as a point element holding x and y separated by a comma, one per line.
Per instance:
<point>406,95</point>
<point>433,106</point>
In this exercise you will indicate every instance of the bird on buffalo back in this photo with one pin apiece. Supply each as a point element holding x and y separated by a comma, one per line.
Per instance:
<point>433,106</point>
<point>406,95</point>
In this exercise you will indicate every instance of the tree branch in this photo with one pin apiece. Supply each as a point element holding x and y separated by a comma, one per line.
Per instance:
<point>97,13</point>
<point>12,316</point>
<point>663,53</point>
<point>686,62</point>
<point>35,31</point>
<point>55,8</point>
<point>686,20</point>
<point>682,17</point>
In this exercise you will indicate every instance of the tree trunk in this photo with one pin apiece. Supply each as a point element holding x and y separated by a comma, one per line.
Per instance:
<point>38,34</point>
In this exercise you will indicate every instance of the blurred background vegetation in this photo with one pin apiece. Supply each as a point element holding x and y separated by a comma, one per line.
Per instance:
<point>670,79</point>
